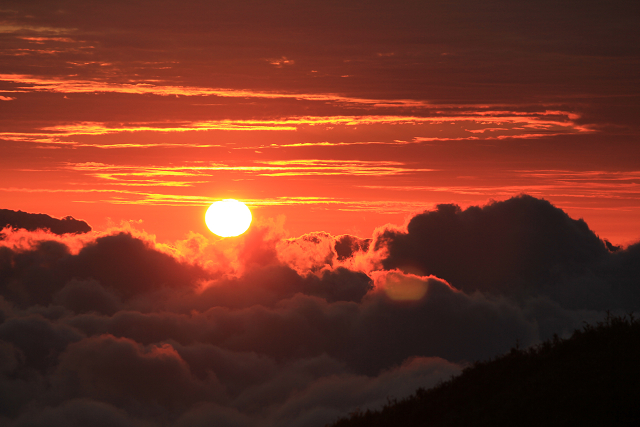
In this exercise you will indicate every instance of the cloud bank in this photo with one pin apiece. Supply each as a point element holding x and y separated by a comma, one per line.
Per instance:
<point>115,329</point>
<point>28,221</point>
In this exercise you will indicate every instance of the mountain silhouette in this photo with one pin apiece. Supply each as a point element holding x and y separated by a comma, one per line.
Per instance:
<point>589,379</point>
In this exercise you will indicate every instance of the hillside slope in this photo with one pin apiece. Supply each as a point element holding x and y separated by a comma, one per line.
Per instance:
<point>590,379</point>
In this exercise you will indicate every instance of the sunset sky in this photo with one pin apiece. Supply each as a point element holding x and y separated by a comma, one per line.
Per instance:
<point>432,182</point>
<point>335,116</point>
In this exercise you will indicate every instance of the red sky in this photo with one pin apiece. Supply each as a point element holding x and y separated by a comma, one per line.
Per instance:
<point>333,121</point>
<point>334,117</point>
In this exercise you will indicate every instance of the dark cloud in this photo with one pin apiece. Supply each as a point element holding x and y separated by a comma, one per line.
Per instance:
<point>519,246</point>
<point>465,47</point>
<point>86,296</point>
<point>130,266</point>
<point>369,336</point>
<point>123,265</point>
<point>211,414</point>
<point>31,277</point>
<point>152,380</point>
<point>264,331</point>
<point>31,222</point>
<point>269,285</point>
<point>340,284</point>
<point>347,245</point>
<point>320,403</point>
<point>79,413</point>
<point>19,382</point>
<point>499,245</point>
<point>39,341</point>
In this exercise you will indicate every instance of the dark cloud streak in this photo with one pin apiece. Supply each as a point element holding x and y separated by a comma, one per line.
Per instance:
<point>465,47</point>
<point>32,222</point>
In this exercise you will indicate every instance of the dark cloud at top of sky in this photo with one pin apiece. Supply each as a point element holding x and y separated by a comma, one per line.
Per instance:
<point>462,45</point>
<point>547,19</point>
<point>287,332</point>
<point>29,221</point>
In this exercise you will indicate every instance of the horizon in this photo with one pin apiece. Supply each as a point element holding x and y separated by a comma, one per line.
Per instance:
<point>125,113</point>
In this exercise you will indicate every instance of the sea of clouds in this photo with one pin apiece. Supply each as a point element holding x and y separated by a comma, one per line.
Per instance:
<point>114,329</point>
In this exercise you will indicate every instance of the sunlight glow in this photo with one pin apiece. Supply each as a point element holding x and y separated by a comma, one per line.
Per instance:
<point>228,218</point>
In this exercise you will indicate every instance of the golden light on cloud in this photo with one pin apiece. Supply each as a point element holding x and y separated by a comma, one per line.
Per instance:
<point>228,218</point>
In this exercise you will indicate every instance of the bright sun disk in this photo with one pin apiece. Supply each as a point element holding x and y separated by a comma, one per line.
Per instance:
<point>228,218</point>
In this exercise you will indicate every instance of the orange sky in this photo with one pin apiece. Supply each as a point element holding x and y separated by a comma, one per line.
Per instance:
<point>349,128</point>
<point>331,117</point>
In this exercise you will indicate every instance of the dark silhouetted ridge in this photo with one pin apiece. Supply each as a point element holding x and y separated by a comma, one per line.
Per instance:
<point>590,379</point>
<point>31,222</point>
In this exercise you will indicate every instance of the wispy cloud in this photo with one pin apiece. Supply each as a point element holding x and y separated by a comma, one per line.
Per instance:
<point>15,28</point>
<point>547,183</point>
<point>42,40</point>
<point>123,196</point>
<point>261,168</point>
<point>487,118</point>
<point>65,85</point>
<point>467,126</point>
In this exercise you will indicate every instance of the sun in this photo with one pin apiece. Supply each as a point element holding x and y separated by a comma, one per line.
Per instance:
<point>228,218</point>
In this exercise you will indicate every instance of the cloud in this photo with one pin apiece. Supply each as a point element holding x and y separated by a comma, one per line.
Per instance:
<point>263,330</point>
<point>151,380</point>
<point>82,296</point>
<point>519,246</point>
<point>327,398</point>
<point>125,266</point>
<point>470,124</point>
<point>79,413</point>
<point>32,222</point>
<point>38,340</point>
<point>346,246</point>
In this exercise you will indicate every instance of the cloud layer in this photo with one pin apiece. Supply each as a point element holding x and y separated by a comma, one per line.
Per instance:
<point>114,329</point>
<point>521,246</point>
<point>27,221</point>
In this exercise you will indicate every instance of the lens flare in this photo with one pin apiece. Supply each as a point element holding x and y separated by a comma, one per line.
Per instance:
<point>405,288</point>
